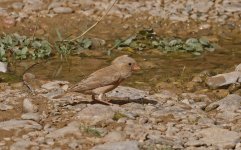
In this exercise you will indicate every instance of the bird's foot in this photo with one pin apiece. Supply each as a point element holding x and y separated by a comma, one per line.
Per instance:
<point>105,102</point>
<point>102,101</point>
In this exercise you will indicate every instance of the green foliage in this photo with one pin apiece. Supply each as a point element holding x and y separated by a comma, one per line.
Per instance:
<point>22,47</point>
<point>92,131</point>
<point>72,47</point>
<point>147,39</point>
<point>118,115</point>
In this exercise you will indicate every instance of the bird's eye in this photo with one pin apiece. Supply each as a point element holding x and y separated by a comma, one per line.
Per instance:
<point>130,64</point>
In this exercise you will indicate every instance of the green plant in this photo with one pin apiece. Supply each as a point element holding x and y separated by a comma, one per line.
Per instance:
<point>148,39</point>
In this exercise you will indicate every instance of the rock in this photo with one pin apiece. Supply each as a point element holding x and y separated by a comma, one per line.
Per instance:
<point>72,128</point>
<point>165,94</point>
<point>136,131</point>
<point>8,22</point>
<point>154,135</point>
<point>203,6</point>
<point>178,18</point>
<point>204,26</point>
<point>4,107</point>
<point>231,6</point>
<point>14,124</point>
<point>131,93</point>
<point>22,145</point>
<point>222,138</point>
<point>223,79</point>
<point>97,43</point>
<point>226,106</point>
<point>17,5</point>
<point>28,106</point>
<point>40,32</point>
<point>52,94</point>
<point>63,10</point>
<point>3,12</point>
<point>17,85</point>
<point>3,67</point>
<point>124,145</point>
<point>33,5</point>
<point>114,136</point>
<point>238,146</point>
<point>95,113</point>
<point>238,68</point>
<point>54,5</point>
<point>31,116</point>
<point>56,85</point>
<point>220,93</point>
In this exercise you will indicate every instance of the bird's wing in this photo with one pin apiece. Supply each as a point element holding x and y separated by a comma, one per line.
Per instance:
<point>105,76</point>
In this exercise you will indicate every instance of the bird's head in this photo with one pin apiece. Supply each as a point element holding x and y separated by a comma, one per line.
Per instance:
<point>126,62</point>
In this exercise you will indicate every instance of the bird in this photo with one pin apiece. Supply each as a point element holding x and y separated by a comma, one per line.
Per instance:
<point>106,79</point>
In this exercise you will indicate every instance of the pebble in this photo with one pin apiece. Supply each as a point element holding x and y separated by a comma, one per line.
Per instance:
<point>114,136</point>
<point>63,10</point>
<point>95,113</point>
<point>14,124</point>
<point>31,116</point>
<point>9,22</point>
<point>123,145</point>
<point>28,106</point>
<point>4,107</point>
<point>17,5</point>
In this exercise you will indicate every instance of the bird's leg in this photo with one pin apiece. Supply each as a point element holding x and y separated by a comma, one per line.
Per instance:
<point>101,99</point>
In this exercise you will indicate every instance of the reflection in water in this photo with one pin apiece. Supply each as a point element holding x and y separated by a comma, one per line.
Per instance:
<point>161,67</point>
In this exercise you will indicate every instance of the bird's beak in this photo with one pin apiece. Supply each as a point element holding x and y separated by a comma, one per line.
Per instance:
<point>136,67</point>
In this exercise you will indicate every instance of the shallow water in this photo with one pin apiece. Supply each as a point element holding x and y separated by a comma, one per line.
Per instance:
<point>156,66</point>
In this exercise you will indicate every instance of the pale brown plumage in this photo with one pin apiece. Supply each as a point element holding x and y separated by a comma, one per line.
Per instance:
<point>108,78</point>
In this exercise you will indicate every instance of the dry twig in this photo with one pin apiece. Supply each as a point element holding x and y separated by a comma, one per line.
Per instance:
<point>101,18</point>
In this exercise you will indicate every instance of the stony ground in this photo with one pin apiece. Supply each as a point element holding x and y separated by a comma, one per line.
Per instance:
<point>47,116</point>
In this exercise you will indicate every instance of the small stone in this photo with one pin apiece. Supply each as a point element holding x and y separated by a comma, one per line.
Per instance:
<point>52,94</point>
<point>4,107</point>
<point>124,92</point>
<point>9,22</point>
<point>204,26</point>
<point>95,113</point>
<point>63,10</point>
<point>14,124</point>
<point>17,85</point>
<point>40,32</point>
<point>238,68</point>
<point>54,85</point>
<point>21,145</point>
<point>72,128</point>
<point>97,43</point>
<point>123,145</point>
<point>74,145</point>
<point>126,26</point>
<point>223,79</point>
<point>221,93</point>
<point>3,67</point>
<point>33,5</point>
<point>114,136</point>
<point>197,79</point>
<point>31,116</point>
<point>54,5</point>
<point>28,106</point>
<point>222,138</point>
<point>226,107</point>
<point>17,5</point>
<point>3,11</point>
